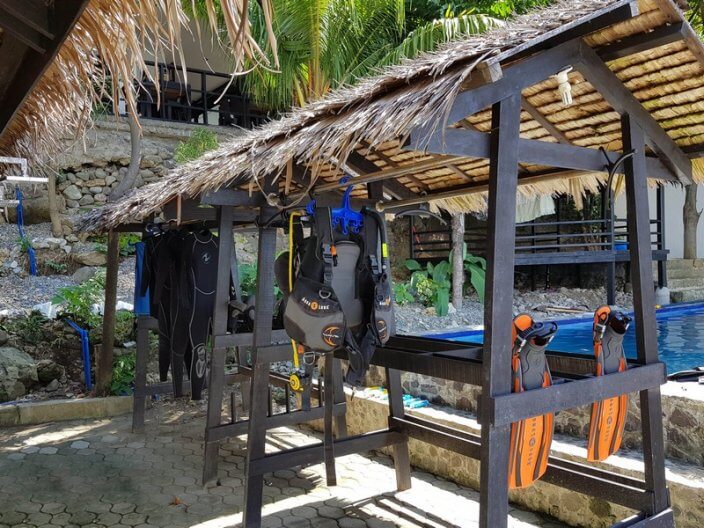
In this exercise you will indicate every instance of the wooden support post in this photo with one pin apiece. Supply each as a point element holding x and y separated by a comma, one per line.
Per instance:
<point>339,397</point>
<point>329,437</point>
<point>104,374</point>
<point>216,376</point>
<point>644,309</point>
<point>256,436</point>
<point>140,375</point>
<point>496,364</point>
<point>402,460</point>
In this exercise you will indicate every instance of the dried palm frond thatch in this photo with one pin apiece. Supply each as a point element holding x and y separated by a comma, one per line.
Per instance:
<point>101,57</point>
<point>374,117</point>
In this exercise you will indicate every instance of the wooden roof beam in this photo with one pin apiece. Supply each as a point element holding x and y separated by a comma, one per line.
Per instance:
<point>623,101</point>
<point>470,144</point>
<point>642,42</point>
<point>543,121</point>
<point>63,17</point>
<point>363,166</point>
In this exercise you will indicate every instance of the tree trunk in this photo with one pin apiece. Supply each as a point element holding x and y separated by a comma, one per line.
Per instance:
<point>104,374</point>
<point>104,368</point>
<point>457,260</point>
<point>690,217</point>
<point>135,160</point>
<point>56,228</point>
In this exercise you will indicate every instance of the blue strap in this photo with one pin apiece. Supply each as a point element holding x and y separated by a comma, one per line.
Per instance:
<point>20,227</point>
<point>85,352</point>
<point>141,302</point>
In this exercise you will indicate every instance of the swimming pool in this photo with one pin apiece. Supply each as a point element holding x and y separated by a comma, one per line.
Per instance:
<point>680,336</point>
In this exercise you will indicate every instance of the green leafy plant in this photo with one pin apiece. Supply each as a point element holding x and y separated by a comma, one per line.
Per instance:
<point>476,268</point>
<point>432,284</point>
<point>24,244</point>
<point>402,293</point>
<point>126,243</point>
<point>123,374</point>
<point>200,142</point>
<point>30,328</point>
<point>248,279</point>
<point>77,301</point>
<point>56,267</point>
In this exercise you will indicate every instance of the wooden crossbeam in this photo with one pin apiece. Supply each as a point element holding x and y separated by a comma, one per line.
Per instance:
<point>622,100</point>
<point>363,166</point>
<point>467,143</point>
<point>18,29</point>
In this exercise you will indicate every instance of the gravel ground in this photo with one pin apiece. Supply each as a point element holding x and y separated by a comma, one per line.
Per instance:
<point>18,293</point>
<point>544,305</point>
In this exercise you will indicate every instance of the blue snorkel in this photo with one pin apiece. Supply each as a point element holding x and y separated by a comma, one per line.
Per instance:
<point>344,218</point>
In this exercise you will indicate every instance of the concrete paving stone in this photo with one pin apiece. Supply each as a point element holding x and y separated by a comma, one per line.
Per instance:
<point>16,456</point>
<point>61,519</point>
<point>28,507</point>
<point>38,518</point>
<point>82,517</point>
<point>295,522</point>
<point>80,444</point>
<point>30,449</point>
<point>49,450</point>
<point>108,518</point>
<point>308,512</point>
<point>13,518</point>
<point>123,508</point>
<point>272,521</point>
<point>323,522</point>
<point>134,519</point>
<point>331,512</point>
<point>351,522</point>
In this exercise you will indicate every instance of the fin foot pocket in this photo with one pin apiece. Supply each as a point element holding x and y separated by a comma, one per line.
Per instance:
<point>530,438</point>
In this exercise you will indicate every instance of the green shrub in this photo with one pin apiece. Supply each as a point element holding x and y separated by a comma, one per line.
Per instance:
<point>432,284</point>
<point>200,142</point>
<point>402,293</point>
<point>123,374</point>
<point>126,243</point>
<point>56,267</point>
<point>30,328</point>
<point>77,301</point>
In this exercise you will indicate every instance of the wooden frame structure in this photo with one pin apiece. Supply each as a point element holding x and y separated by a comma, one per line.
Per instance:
<point>499,91</point>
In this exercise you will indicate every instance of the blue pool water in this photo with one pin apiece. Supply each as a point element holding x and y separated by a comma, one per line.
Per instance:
<point>680,336</point>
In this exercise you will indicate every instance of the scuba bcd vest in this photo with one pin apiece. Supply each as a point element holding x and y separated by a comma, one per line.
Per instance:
<point>341,294</point>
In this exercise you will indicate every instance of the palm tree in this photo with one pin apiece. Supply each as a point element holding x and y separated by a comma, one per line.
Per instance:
<point>324,44</point>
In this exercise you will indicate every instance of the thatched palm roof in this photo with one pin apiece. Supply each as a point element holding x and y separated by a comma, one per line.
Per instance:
<point>374,118</point>
<point>102,53</point>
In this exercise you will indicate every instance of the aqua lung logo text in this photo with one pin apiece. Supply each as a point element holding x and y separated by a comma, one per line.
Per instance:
<point>315,305</point>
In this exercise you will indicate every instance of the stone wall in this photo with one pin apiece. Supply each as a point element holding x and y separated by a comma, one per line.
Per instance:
<point>92,166</point>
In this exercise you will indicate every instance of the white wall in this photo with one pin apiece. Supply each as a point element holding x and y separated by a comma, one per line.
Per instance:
<point>674,229</point>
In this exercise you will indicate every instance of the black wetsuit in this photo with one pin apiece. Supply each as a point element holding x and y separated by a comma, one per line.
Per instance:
<point>157,278</point>
<point>193,299</point>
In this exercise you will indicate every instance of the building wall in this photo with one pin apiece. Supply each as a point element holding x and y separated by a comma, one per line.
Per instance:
<point>674,227</point>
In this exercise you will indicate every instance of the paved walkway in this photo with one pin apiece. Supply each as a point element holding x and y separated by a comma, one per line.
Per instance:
<point>98,474</point>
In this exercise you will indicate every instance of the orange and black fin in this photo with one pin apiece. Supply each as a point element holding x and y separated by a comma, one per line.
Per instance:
<point>531,438</point>
<point>608,417</point>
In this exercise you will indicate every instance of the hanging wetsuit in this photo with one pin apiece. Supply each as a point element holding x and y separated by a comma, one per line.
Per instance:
<point>157,280</point>
<point>193,301</point>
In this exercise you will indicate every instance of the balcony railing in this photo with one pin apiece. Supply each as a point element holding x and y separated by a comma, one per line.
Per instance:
<point>203,97</point>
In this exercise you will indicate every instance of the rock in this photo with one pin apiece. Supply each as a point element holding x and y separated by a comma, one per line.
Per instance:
<point>71,177</point>
<point>91,258</point>
<point>83,175</point>
<point>48,243</point>
<point>3,337</point>
<point>96,190</point>
<point>86,200</point>
<point>100,173</point>
<point>47,370</point>
<point>17,373</point>
<point>53,386</point>
<point>83,274</point>
<point>109,180</point>
<point>72,193</point>
<point>72,204</point>
<point>100,198</point>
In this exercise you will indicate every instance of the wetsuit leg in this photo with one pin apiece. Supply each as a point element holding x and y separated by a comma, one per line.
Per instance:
<point>179,306</point>
<point>202,280</point>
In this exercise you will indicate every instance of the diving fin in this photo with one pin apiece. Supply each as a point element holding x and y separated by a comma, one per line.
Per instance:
<point>608,417</point>
<point>530,438</point>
